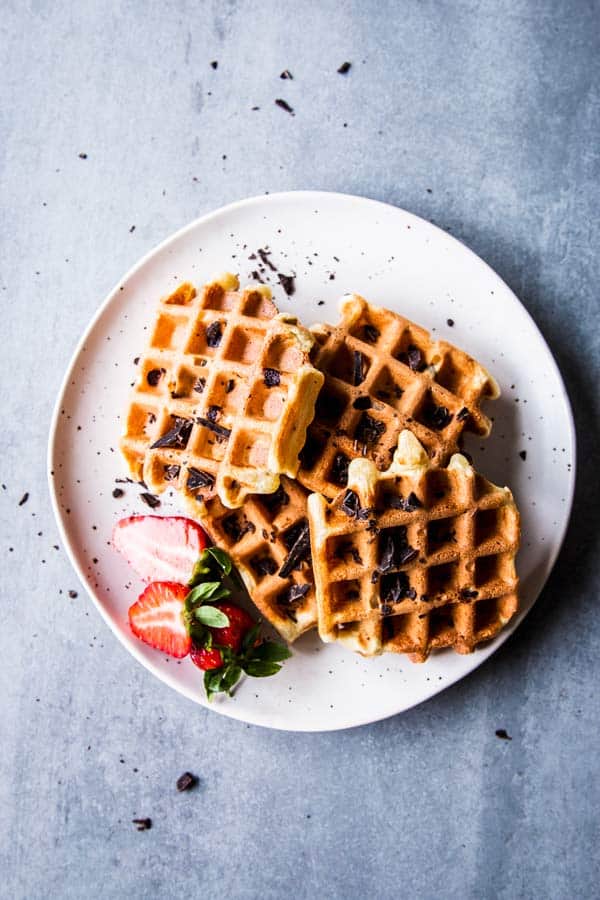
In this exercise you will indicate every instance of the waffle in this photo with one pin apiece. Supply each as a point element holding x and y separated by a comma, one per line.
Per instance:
<point>269,545</point>
<point>384,374</point>
<point>415,558</point>
<point>224,395</point>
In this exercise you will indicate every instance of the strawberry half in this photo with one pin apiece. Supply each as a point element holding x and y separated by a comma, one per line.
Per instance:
<point>156,618</point>
<point>160,548</point>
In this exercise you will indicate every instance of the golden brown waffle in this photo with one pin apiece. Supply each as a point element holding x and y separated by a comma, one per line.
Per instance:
<point>269,544</point>
<point>415,558</point>
<point>383,373</point>
<point>224,395</point>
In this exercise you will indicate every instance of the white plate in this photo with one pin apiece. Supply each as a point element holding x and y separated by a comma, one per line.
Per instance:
<point>333,243</point>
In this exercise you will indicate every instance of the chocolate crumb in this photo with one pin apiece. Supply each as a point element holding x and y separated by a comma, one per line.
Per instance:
<point>150,499</point>
<point>357,368</point>
<point>83,156</point>
<point>462,414</point>
<point>287,283</point>
<point>229,386</point>
<point>468,594</point>
<point>439,417</point>
<point>272,377</point>
<point>503,734</point>
<point>368,430</point>
<point>339,469</point>
<point>214,64</point>
<point>142,824</point>
<point>199,385</point>
<point>73,595</point>
<point>24,499</point>
<point>213,412</point>
<point>286,74</point>
<point>344,68</point>
<point>523,454</point>
<point>450,323</point>
<point>283,104</point>
<point>186,781</point>
<point>171,472</point>
<point>118,492</point>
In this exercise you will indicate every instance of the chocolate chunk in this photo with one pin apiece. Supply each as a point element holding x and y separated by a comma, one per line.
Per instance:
<point>142,824</point>
<point>290,599</point>
<point>186,781</point>
<point>177,437</point>
<point>263,565</point>
<point>229,386</point>
<point>118,492</point>
<point>395,587</point>
<point>199,385</point>
<point>197,478</point>
<point>339,469</point>
<point>150,499</point>
<point>272,377</point>
<point>370,334</point>
<point>468,594</point>
<point>438,417</point>
<point>214,64</point>
<point>395,549</point>
<point>219,430</point>
<point>298,552</point>
<point>462,414</point>
<point>73,595</point>
<point>413,358</point>
<point>214,333</point>
<point>450,323</point>
<point>287,283</point>
<point>523,454</point>
<point>503,734</point>
<point>213,413</point>
<point>408,504</point>
<point>350,504</point>
<point>283,104</point>
<point>171,473</point>
<point>286,74</point>
<point>368,430</point>
<point>275,501</point>
<point>154,376</point>
<point>236,526</point>
<point>344,68</point>
<point>24,499</point>
<point>362,403</point>
<point>357,368</point>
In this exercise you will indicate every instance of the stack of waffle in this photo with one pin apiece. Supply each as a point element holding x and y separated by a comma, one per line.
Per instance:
<point>327,464</point>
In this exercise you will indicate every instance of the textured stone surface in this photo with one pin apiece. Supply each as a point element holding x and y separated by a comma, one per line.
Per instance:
<point>482,116</point>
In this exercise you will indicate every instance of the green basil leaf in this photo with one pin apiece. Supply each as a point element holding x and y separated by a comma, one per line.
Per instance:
<point>212,682</point>
<point>201,568</point>
<point>208,590</point>
<point>221,558</point>
<point>231,678</point>
<point>211,616</point>
<point>259,669</point>
<point>268,651</point>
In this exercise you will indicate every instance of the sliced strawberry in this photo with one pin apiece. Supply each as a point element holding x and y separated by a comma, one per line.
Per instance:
<point>156,618</point>
<point>160,548</point>
<point>206,659</point>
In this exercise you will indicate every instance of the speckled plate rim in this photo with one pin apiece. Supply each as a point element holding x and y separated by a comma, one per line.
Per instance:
<point>129,643</point>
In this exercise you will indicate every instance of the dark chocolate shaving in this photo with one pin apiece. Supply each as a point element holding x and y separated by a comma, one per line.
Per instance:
<point>290,599</point>
<point>283,104</point>
<point>368,430</point>
<point>219,430</point>
<point>406,504</point>
<point>199,385</point>
<point>287,283</point>
<point>438,417</point>
<point>150,499</point>
<point>396,587</point>
<point>413,358</point>
<point>213,412</point>
<point>357,368</point>
<point>339,469</point>
<point>462,414</point>
<point>177,437</point>
<point>186,781</point>
<point>229,386</point>
<point>344,68</point>
<point>298,553</point>
<point>197,478</point>
<point>171,472</point>
<point>236,526</point>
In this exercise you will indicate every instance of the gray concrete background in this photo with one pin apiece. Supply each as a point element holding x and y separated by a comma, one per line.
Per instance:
<point>482,116</point>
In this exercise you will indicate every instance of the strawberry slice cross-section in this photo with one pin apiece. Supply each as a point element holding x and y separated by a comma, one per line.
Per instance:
<point>156,618</point>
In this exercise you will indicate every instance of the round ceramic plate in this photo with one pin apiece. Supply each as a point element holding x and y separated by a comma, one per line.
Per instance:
<point>332,244</point>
